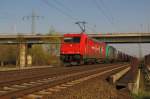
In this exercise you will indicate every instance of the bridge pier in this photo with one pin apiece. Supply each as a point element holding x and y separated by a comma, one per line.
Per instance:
<point>22,55</point>
<point>29,55</point>
<point>25,59</point>
<point>29,60</point>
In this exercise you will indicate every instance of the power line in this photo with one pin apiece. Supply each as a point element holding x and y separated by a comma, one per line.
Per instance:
<point>61,4</point>
<point>102,11</point>
<point>148,28</point>
<point>61,11</point>
<point>109,14</point>
<point>91,27</point>
<point>108,10</point>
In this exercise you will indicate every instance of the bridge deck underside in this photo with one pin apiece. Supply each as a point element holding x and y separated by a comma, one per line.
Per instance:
<point>52,39</point>
<point>123,39</point>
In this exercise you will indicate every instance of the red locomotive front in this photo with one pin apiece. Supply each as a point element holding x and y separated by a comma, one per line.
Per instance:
<point>71,50</point>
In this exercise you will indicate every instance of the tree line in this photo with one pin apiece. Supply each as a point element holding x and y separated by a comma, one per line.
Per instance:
<point>42,54</point>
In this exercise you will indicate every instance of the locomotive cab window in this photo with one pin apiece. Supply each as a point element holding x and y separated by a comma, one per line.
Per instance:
<point>72,39</point>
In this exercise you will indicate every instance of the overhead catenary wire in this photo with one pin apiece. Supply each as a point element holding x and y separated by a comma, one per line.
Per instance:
<point>110,20</point>
<point>61,4</point>
<point>91,28</point>
<point>65,13</point>
<point>108,10</point>
<point>96,3</point>
<point>58,9</point>
<point>115,26</point>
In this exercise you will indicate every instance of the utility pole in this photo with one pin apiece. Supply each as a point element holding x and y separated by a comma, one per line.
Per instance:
<point>14,28</point>
<point>81,25</point>
<point>33,19</point>
<point>33,22</point>
<point>148,28</point>
<point>140,48</point>
<point>140,40</point>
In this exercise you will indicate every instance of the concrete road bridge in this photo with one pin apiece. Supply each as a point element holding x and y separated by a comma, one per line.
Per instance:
<point>122,37</point>
<point>108,38</point>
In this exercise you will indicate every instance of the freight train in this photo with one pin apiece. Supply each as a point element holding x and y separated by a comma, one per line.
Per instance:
<point>78,48</point>
<point>146,60</point>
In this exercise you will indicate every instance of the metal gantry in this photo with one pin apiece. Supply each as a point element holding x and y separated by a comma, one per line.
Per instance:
<point>33,19</point>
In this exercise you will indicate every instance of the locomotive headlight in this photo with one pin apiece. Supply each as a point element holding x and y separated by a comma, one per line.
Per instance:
<point>63,52</point>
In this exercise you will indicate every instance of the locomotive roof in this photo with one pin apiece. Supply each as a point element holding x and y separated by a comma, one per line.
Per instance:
<point>82,33</point>
<point>74,34</point>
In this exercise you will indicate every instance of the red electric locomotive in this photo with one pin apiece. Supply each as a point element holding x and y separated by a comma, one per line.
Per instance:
<point>80,49</point>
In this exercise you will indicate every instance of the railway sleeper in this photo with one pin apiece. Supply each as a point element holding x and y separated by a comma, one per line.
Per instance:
<point>18,86</point>
<point>3,92</point>
<point>33,96</point>
<point>10,89</point>
<point>27,84</point>
<point>43,92</point>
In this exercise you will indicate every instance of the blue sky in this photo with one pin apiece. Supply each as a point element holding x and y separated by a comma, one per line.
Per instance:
<point>100,15</point>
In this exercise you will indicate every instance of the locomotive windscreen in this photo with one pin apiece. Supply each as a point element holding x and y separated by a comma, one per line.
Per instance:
<point>72,39</point>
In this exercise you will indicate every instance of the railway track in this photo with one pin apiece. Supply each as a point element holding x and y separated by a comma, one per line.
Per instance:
<point>40,88</point>
<point>12,77</point>
<point>19,76</point>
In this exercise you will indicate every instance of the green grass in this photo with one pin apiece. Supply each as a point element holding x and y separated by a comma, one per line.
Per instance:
<point>142,95</point>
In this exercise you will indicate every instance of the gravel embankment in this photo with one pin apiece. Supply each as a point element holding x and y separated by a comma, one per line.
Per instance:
<point>92,89</point>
